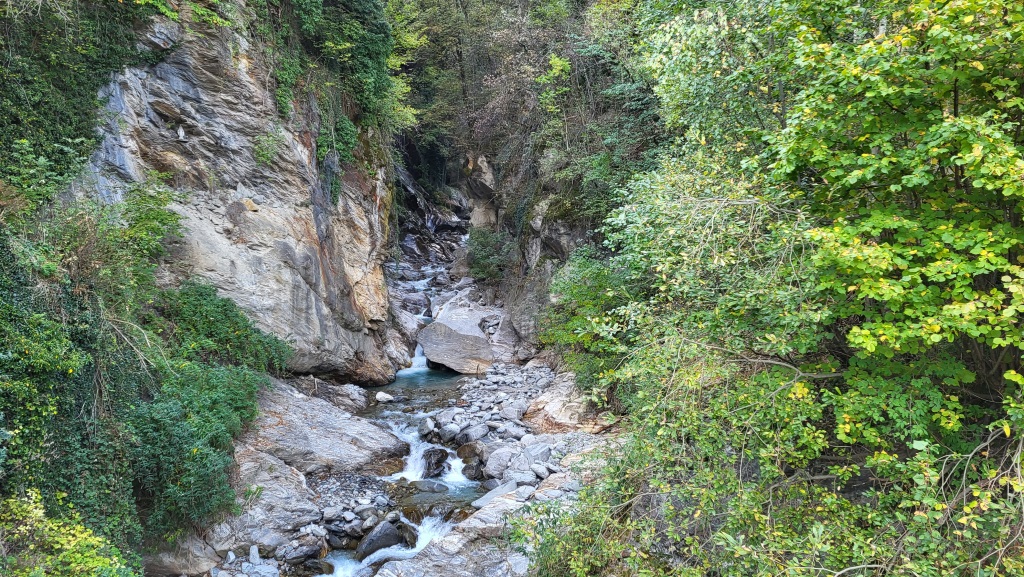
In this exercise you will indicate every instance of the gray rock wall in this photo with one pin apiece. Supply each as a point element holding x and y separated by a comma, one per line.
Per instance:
<point>259,225</point>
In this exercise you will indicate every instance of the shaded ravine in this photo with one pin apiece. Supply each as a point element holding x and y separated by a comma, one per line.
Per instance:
<point>431,501</point>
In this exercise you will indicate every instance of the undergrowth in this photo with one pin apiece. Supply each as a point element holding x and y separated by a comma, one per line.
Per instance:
<point>133,392</point>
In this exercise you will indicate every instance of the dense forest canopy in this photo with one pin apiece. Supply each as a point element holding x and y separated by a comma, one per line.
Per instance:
<point>802,299</point>
<point>818,342</point>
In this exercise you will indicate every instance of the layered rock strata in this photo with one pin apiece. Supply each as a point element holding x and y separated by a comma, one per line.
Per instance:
<point>304,264</point>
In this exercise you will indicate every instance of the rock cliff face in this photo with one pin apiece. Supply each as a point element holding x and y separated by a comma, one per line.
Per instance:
<point>260,225</point>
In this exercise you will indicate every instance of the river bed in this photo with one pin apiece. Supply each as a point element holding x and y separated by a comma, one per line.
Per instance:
<point>433,505</point>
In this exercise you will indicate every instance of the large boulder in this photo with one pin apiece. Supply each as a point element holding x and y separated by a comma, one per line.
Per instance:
<point>503,489</point>
<point>471,433</point>
<point>301,549</point>
<point>456,338</point>
<point>499,460</point>
<point>472,549</point>
<point>313,435</point>
<point>272,514</point>
<point>347,397</point>
<point>384,535</point>
<point>435,462</point>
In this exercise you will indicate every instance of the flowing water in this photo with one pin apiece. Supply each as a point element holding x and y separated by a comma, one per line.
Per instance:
<point>431,505</point>
<point>419,392</point>
<point>346,566</point>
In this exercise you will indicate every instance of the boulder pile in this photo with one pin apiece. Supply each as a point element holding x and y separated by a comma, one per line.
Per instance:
<point>498,447</point>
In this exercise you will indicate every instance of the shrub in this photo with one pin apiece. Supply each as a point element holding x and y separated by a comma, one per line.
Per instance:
<point>267,146</point>
<point>37,357</point>
<point>585,290</point>
<point>4,437</point>
<point>341,137</point>
<point>104,253</point>
<point>32,545</point>
<point>183,444</point>
<point>200,326</point>
<point>57,57</point>
<point>287,71</point>
<point>489,253</point>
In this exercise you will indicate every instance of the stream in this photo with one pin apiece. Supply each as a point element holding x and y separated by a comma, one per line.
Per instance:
<point>430,501</point>
<point>431,505</point>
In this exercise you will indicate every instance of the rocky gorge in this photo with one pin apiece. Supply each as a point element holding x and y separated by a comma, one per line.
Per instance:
<point>408,486</point>
<point>356,465</point>
<point>334,478</point>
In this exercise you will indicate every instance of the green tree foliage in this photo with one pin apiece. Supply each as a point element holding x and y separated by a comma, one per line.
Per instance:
<point>821,364</point>
<point>48,97</point>
<point>490,253</point>
<point>923,195</point>
<point>4,437</point>
<point>32,544</point>
<point>134,394</point>
<point>200,326</point>
<point>585,289</point>
<point>562,116</point>
<point>351,40</point>
<point>194,417</point>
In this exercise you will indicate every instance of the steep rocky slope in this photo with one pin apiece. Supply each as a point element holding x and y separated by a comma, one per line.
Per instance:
<point>303,262</point>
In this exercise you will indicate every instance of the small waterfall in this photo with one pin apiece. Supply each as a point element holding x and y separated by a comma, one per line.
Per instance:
<point>431,528</point>
<point>415,466</point>
<point>419,364</point>
<point>419,361</point>
<point>419,392</point>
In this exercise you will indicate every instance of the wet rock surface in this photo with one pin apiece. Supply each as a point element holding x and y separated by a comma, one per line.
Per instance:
<point>435,462</point>
<point>516,462</point>
<point>469,550</point>
<point>383,535</point>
